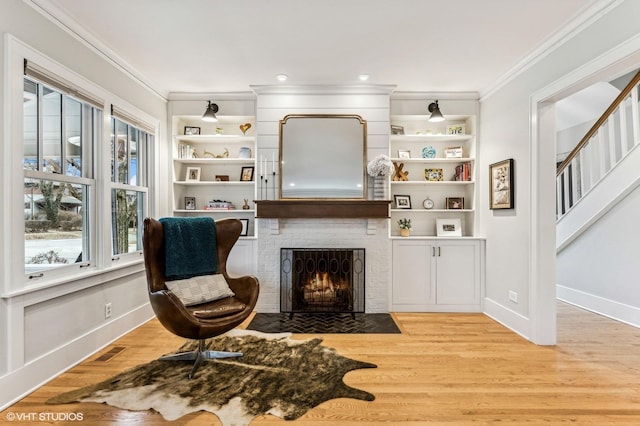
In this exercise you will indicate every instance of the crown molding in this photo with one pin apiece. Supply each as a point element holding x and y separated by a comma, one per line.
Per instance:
<point>574,26</point>
<point>321,89</point>
<point>226,96</point>
<point>474,96</point>
<point>53,13</point>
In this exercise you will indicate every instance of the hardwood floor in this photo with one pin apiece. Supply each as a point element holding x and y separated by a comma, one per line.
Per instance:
<point>451,369</point>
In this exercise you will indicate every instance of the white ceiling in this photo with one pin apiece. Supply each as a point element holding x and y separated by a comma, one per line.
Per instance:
<point>205,46</point>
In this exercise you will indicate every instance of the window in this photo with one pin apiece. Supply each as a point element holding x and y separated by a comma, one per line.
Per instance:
<point>59,136</point>
<point>129,179</point>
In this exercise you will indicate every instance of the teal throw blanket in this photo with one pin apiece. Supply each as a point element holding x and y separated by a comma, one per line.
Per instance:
<point>190,247</point>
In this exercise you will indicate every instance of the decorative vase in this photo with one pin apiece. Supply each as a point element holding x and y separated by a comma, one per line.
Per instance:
<point>405,232</point>
<point>380,188</point>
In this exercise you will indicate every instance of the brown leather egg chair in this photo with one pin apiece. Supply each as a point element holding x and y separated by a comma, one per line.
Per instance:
<point>205,320</point>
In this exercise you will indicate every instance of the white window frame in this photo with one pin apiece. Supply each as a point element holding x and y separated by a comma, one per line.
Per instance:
<point>14,280</point>
<point>128,118</point>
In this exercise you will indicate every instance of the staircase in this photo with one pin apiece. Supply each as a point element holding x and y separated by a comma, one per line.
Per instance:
<point>609,141</point>
<point>597,205</point>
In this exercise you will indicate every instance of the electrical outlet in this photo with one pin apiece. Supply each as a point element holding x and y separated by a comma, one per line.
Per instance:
<point>513,296</point>
<point>107,310</point>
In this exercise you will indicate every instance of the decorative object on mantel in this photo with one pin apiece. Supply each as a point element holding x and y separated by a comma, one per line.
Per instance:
<point>399,175</point>
<point>405,227</point>
<point>246,204</point>
<point>219,130</point>
<point>244,127</point>
<point>379,168</point>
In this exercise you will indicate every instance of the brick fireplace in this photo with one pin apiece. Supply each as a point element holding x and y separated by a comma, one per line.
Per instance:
<point>370,235</point>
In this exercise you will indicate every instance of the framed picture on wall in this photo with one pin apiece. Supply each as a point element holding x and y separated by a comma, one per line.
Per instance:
<point>501,191</point>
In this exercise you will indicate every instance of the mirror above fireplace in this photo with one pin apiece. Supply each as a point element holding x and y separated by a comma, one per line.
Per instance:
<point>323,156</point>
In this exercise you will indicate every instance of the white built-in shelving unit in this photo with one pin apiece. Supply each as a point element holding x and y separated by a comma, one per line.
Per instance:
<point>222,153</point>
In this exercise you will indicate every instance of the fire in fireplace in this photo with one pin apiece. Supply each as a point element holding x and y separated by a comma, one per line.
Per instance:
<point>322,280</point>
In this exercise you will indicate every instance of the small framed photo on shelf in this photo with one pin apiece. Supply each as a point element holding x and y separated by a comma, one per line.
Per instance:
<point>222,178</point>
<point>397,130</point>
<point>501,191</point>
<point>245,227</point>
<point>193,174</point>
<point>456,129</point>
<point>434,175</point>
<point>247,174</point>
<point>453,152</point>
<point>404,153</point>
<point>402,201</point>
<point>448,228</point>
<point>455,203</point>
<point>190,130</point>
<point>189,203</point>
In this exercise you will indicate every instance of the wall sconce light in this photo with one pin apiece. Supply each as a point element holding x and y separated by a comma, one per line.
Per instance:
<point>436,115</point>
<point>210,113</point>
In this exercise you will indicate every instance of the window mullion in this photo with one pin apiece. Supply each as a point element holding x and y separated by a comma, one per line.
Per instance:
<point>40,129</point>
<point>63,134</point>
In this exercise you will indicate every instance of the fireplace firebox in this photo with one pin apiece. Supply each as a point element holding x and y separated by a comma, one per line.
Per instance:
<point>322,280</point>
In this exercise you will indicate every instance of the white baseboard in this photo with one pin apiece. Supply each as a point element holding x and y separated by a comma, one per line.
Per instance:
<point>606,307</point>
<point>512,320</point>
<point>19,383</point>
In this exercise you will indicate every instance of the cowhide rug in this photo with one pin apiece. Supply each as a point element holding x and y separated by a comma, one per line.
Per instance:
<point>277,375</point>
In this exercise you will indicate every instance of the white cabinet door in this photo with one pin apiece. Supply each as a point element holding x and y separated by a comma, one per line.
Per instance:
<point>458,277</point>
<point>413,273</point>
<point>242,259</point>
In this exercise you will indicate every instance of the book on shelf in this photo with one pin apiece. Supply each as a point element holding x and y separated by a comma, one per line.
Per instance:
<point>219,205</point>
<point>463,172</point>
<point>186,151</point>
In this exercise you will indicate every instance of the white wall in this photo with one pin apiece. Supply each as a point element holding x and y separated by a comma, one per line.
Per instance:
<point>521,243</point>
<point>599,270</point>
<point>46,330</point>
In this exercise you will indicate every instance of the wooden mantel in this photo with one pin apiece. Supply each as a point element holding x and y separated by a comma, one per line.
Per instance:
<point>322,209</point>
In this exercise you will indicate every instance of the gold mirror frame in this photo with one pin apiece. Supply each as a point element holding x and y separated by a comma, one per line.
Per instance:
<point>323,156</point>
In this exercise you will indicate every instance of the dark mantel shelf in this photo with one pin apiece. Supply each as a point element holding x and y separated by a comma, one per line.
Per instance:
<point>322,209</point>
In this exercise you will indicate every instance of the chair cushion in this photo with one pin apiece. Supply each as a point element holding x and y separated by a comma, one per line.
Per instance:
<point>218,309</point>
<point>200,289</point>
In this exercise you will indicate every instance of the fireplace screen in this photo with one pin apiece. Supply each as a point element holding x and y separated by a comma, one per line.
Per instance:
<point>322,280</point>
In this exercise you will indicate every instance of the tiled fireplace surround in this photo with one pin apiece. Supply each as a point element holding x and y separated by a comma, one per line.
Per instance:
<point>370,234</point>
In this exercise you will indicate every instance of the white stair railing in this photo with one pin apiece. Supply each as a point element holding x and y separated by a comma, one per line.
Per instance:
<point>610,139</point>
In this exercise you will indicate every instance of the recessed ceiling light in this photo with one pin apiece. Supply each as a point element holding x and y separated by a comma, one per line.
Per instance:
<point>282,77</point>
<point>363,77</point>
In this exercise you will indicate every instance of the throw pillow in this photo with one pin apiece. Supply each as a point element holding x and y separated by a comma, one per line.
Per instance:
<point>200,289</point>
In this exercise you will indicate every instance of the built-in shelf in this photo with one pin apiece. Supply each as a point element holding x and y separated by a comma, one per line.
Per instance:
<point>322,209</point>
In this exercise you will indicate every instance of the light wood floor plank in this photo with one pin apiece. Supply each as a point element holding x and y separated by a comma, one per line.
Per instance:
<point>445,369</point>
